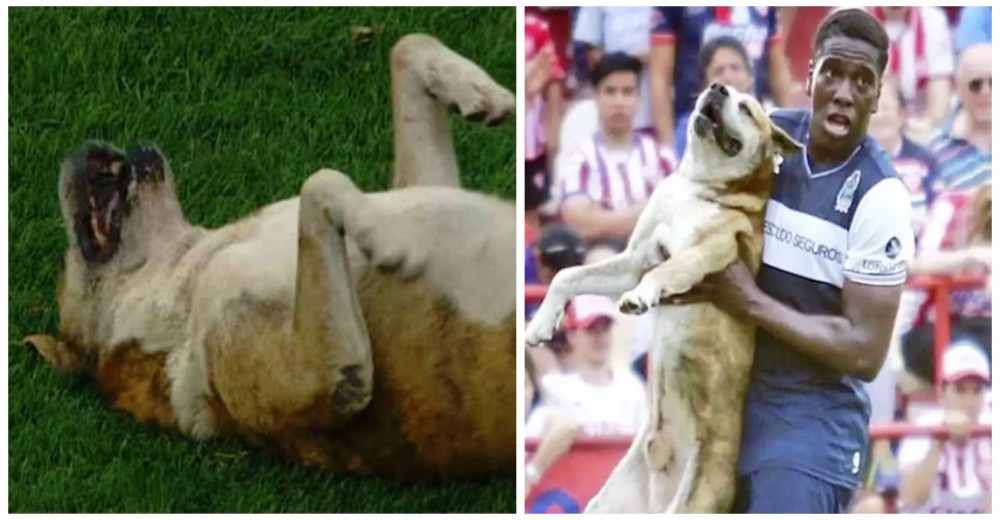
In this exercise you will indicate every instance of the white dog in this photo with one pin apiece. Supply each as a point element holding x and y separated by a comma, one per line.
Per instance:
<point>704,217</point>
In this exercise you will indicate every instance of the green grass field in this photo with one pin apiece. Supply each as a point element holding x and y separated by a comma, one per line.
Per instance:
<point>245,103</point>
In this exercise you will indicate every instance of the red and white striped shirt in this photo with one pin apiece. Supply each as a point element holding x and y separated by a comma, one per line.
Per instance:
<point>964,475</point>
<point>920,49</point>
<point>614,178</point>
<point>537,38</point>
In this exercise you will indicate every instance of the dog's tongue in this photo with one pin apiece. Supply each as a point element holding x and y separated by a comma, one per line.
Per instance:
<point>100,219</point>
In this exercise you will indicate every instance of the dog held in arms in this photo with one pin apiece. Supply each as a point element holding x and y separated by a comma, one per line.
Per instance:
<point>707,215</point>
<point>370,333</point>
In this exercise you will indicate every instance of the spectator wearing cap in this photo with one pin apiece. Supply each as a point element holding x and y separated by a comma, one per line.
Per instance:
<point>604,186</point>
<point>915,164</point>
<point>557,248</point>
<point>602,30</point>
<point>604,402</point>
<point>922,62</point>
<point>951,474</point>
<point>721,60</point>
<point>678,35</point>
<point>589,399</point>
<point>964,148</point>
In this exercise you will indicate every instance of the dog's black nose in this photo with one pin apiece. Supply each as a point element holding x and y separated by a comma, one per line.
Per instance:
<point>719,88</point>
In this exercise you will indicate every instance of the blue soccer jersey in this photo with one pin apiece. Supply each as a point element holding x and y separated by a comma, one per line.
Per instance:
<point>688,28</point>
<point>822,229</point>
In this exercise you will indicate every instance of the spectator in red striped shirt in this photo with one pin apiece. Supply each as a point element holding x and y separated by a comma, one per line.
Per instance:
<point>922,59</point>
<point>606,184</point>
<point>544,105</point>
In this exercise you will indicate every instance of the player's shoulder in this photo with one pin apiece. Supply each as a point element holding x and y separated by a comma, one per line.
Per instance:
<point>790,120</point>
<point>875,162</point>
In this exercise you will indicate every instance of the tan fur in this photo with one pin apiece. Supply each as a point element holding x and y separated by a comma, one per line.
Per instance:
<point>707,215</point>
<point>371,333</point>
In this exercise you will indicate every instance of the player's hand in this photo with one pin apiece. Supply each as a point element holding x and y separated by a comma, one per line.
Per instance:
<point>958,424</point>
<point>732,289</point>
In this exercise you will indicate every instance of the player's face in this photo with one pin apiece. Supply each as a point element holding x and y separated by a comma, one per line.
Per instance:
<point>617,101</point>
<point>844,83</point>
<point>965,395</point>
<point>727,67</point>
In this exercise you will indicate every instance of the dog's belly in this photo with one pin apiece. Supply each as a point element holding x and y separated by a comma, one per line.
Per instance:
<point>444,395</point>
<point>700,360</point>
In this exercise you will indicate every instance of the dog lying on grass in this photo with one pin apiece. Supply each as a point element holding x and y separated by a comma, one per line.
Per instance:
<point>371,333</point>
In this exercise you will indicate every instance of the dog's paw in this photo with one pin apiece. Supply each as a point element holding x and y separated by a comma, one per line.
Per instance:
<point>540,330</point>
<point>469,91</point>
<point>640,299</point>
<point>392,248</point>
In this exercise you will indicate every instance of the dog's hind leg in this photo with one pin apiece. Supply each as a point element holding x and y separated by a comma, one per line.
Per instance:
<point>428,79</point>
<point>327,314</point>
<point>627,488</point>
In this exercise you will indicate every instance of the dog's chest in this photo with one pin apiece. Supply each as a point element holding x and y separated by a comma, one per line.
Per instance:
<point>680,206</point>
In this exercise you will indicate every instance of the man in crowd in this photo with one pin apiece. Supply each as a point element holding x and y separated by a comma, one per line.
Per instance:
<point>964,148</point>
<point>605,185</point>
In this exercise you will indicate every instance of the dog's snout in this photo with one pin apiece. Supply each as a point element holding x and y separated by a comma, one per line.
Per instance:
<point>719,88</point>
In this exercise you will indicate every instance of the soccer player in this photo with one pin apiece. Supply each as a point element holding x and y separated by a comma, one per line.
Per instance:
<point>837,242</point>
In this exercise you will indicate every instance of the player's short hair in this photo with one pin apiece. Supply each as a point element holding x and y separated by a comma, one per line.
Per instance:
<point>615,62</point>
<point>856,24</point>
<point>709,48</point>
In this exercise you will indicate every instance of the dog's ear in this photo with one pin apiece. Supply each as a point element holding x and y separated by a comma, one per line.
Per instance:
<point>783,143</point>
<point>63,356</point>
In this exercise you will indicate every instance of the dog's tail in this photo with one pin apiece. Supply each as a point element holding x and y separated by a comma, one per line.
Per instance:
<point>687,479</point>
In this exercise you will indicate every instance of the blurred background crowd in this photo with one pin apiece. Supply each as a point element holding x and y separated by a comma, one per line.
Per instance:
<point>609,92</point>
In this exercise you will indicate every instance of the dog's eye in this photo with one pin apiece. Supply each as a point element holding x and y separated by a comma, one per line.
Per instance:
<point>745,109</point>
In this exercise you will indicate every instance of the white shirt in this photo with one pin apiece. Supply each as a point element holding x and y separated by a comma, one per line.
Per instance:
<point>964,473</point>
<point>618,409</point>
<point>615,179</point>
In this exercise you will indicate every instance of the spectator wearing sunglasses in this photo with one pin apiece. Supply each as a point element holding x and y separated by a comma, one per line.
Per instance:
<point>964,147</point>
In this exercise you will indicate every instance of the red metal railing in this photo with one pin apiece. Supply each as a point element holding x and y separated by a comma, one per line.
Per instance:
<point>574,479</point>
<point>939,289</point>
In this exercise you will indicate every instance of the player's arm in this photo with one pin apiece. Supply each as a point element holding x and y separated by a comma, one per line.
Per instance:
<point>662,57</point>
<point>594,222</point>
<point>856,341</point>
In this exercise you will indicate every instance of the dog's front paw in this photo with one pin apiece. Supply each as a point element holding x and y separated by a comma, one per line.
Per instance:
<point>640,299</point>
<point>392,248</point>
<point>540,330</point>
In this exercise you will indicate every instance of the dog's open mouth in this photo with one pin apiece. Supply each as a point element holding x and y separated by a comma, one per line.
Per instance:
<point>102,180</point>
<point>708,120</point>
